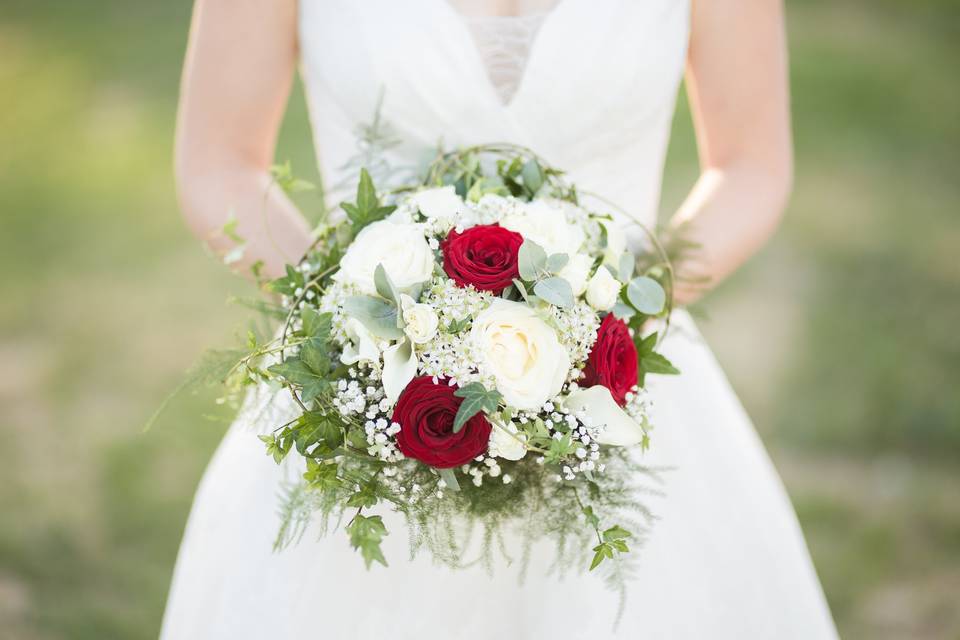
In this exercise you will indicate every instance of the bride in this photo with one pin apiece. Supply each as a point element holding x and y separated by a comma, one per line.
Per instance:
<point>591,85</point>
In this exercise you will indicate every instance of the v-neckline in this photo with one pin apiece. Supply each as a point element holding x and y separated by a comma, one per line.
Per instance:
<point>477,58</point>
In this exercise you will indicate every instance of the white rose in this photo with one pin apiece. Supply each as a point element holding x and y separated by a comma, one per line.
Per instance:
<point>505,441</point>
<point>547,226</point>
<point>401,248</point>
<point>603,290</point>
<point>576,272</point>
<point>420,320</point>
<point>522,353</point>
<point>441,202</point>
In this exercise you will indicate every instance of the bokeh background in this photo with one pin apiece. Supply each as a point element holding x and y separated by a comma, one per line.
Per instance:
<point>841,337</point>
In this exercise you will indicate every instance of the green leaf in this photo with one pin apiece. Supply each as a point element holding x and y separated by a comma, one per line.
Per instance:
<point>273,448</point>
<point>316,325</point>
<point>314,354</point>
<point>476,398</point>
<point>626,267</point>
<point>557,261</point>
<point>592,518</point>
<point>556,291</point>
<point>366,534</point>
<point>646,295</point>
<point>378,316</point>
<point>385,286</point>
<point>533,177</point>
<point>657,363</point>
<point>296,371</point>
<point>615,532</point>
<point>449,478</point>
<point>322,476</point>
<point>531,260</point>
<point>367,208</point>
<point>314,427</point>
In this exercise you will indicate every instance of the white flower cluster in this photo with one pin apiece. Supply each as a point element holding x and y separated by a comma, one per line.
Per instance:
<point>532,354</point>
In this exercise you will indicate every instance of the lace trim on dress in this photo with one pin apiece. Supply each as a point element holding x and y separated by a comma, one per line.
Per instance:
<point>504,43</point>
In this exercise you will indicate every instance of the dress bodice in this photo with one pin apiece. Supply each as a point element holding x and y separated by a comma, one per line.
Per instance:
<point>595,95</point>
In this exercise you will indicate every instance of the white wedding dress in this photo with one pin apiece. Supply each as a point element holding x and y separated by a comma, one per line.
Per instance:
<point>591,85</point>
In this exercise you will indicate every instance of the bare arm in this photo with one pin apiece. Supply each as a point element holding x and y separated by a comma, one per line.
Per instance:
<point>738,89</point>
<point>236,80</point>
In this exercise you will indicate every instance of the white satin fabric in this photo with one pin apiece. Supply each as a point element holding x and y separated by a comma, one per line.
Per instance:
<point>725,560</point>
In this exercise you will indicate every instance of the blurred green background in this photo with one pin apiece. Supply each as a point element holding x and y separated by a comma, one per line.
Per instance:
<point>841,337</point>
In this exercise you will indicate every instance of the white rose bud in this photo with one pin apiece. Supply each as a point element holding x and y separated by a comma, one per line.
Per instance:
<point>603,290</point>
<point>616,243</point>
<point>577,272</point>
<point>420,319</point>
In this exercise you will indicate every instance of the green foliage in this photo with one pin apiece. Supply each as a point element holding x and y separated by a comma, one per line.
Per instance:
<point>379,316</point>
<point>367,208</point>
<point>476,398</point>
<point>366,534</point>
<point>649,360</point>
<point>646,295</point>
<point>282,174</point>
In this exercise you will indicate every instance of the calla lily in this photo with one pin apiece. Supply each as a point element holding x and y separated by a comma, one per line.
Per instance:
<point>399,368</point>
<point>599,406</point>
<point>362,346</point>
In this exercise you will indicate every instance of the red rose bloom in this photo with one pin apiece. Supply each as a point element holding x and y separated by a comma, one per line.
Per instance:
<point>613,360</point>
<point>425,411</point>
<point>484,256</point>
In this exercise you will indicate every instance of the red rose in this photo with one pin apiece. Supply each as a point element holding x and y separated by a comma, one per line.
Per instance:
<point>484,256</point>
<point>613,360</point>
<point>425,411</point>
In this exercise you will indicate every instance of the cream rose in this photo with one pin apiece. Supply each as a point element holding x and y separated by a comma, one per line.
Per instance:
<point>603,290</point>
<point>521,352</point>
<point>547,226</point>
<point>401,248</point>
<point>420,320</point>
<point>616,243</point>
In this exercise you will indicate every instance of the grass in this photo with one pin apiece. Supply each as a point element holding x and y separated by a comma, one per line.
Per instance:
<point>840,337</point>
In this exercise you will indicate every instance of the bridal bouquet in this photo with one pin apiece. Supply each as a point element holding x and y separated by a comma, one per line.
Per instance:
<point>469,350</point>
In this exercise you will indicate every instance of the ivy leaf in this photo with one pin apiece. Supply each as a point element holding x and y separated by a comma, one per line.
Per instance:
<point>366,534</point>
<point>556,291</point>
<point>379,316</point>
<point>646,295</point>
<point>657,363</point>
<point>314,428</point>
<point>531,260</point>
<point>296,371</point>
<point>273,448</point>
<point>287,284</point>
<point>316,325</point>
<point>476,398</point>
<point>367,208</point>
<point>283,175</point>
<point>616,532</point>
<point>322,476</point>
<point>592,518</point>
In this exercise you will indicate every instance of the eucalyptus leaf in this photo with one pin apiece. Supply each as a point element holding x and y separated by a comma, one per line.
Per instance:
<point>556,291</point>
<point>449,478</point>
<point>557,261</point>
<point>385,286</point>
<point>646,295</point>
<point>533,177</point>
<point>531,260</point>
<point>378,316</point>
<point>626,267</point>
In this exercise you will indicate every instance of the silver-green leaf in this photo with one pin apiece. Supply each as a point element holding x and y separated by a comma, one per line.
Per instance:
<point>556,291</point>
<point>531,260</point>
<point>646,295</point>
<point>378,316</point>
